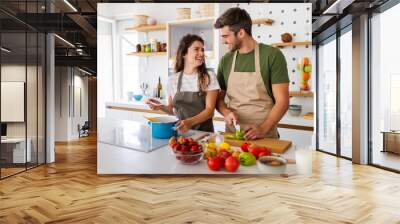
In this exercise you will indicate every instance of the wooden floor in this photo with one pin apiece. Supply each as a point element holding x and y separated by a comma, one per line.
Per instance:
<point>70,191</point>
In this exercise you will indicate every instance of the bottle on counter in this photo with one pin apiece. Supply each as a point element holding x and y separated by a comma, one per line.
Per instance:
<point>159,88</point>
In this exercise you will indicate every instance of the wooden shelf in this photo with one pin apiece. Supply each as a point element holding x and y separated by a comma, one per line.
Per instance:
<point>264,21</point>
<point>291,44</point>
<point>301,93</point>
<point>147,28</point>
<point>195,20</point>
<point>143,54</point>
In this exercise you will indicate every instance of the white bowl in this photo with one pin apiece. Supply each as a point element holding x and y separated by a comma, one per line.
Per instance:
<point>267,169</point>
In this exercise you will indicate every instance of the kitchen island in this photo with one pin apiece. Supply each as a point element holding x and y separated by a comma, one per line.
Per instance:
<point>299,130</point>
<point>126,147</point>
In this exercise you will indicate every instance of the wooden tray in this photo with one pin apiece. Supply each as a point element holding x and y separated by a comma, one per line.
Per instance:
<point>277,146</point>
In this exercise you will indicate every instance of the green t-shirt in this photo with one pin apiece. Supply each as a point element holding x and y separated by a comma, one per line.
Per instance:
<point>272,62</point>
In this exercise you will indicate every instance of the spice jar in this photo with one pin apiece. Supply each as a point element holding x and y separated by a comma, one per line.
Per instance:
<point>138,48</point>
<point>153,44</point>
<point>148,47</point>
<point>164,47</point>
<point>158,46</point>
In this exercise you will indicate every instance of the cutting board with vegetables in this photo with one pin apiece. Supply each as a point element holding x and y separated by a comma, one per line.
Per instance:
<point>276,145</point>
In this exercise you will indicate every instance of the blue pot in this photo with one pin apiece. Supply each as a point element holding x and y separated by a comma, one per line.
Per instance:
<point>163,128</point>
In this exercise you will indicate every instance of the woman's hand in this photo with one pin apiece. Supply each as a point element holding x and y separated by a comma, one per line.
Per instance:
<point>154,104</point>
<point>184,126</point>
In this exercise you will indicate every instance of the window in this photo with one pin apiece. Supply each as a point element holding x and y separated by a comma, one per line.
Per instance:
<point>104,65</point>
<point>346,93</point>
<point>129,67</point>
<point>327,96</point>
<point>385,88</point>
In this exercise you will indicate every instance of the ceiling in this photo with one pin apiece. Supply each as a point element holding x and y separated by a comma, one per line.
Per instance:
<point>78,26</point>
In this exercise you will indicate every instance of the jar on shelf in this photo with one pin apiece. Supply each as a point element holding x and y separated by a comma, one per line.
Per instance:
<point>164,47</point>
<point>159,46</point>
<point>143,48</point>
<point>138,48</point>
<point>153,44</point>
<point>148,48</point>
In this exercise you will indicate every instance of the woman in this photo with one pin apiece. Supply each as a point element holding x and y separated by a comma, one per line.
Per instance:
<point>192,90</point>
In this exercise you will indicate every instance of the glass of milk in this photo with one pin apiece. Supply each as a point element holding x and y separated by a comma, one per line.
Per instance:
<point>304,160</point>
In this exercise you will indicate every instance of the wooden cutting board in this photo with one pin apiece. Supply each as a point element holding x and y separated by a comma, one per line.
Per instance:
<point>277,146</point>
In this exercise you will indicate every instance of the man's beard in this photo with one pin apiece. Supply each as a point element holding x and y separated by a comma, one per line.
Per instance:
<point>236,46</point>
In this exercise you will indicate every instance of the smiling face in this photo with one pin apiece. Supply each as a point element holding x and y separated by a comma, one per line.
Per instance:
<point>195,54</point>
<point>232,40</point>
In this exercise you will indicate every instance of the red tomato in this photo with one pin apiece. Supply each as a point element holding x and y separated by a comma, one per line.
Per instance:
<point>185,148</point>
<point>231,164</point>
<point>196,148</point>
<point>265,149</point>
<point>186,141</point>
<point>255,152</point>
<point>177,147</point>
<point>245,147</point>
<point>215,163</point>
<point>225,154</point>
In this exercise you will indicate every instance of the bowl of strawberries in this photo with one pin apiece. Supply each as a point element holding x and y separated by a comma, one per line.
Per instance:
<point>186,150</point>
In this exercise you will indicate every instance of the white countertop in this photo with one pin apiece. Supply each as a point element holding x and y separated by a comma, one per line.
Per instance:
<point>287,119</point>
<point>117,159</point>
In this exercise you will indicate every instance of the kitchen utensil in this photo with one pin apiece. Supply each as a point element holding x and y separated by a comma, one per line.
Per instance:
<point>163,127</point>
<point>188,159</point>
<point>236,125</point>
<point>295,110</point>
<point>276,146</point>
<point>137,97</point>
<point>271,169</point>
<point>144,86</point>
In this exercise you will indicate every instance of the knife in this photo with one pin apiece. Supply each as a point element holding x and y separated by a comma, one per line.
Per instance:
<point>236,126</point>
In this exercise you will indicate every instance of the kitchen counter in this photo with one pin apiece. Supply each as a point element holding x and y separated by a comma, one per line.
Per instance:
<point>115,155</point>
<point>287,121</point>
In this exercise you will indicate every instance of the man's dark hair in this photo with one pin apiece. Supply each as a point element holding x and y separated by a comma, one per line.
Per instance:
<point>236,19</point>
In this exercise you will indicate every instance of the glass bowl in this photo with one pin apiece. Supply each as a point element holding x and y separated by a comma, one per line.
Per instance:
<point>189,157</point>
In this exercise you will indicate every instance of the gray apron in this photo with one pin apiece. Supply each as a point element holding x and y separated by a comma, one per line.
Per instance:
<point>189,104</point>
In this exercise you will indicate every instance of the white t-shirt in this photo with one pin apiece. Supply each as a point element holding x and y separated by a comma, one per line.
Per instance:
<point>189,83</point>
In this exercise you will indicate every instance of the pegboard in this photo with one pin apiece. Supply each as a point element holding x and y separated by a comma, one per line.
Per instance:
<point>293,18</point>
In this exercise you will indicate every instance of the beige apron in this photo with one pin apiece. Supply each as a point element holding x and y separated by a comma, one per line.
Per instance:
<point>248,96</point>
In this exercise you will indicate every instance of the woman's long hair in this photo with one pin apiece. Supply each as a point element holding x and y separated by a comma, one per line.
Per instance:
<point>184,44</point>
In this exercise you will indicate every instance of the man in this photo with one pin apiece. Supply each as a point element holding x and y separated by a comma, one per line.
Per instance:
<point>254,78</point>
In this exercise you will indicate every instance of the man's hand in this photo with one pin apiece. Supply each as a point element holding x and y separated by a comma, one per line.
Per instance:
<point>154,104</point>
<point>184,126</point>
<point>254,132</point>
<point>231,118</point>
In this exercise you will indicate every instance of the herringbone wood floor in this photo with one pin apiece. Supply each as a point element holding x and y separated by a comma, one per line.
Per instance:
<point>70,191</point>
